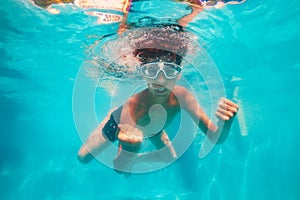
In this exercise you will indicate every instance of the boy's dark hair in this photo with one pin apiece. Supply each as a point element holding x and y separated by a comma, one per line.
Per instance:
<point>149,55</point>
<point>168,42</point>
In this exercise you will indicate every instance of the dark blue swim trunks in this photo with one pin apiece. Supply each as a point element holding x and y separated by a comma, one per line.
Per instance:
<point>111,129</point>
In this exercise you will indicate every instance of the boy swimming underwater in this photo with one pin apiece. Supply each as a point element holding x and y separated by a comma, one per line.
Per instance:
<point>140,117</point>
<point>129,124</point>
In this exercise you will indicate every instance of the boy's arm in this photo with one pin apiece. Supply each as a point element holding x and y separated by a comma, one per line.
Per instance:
<point>225,113</point>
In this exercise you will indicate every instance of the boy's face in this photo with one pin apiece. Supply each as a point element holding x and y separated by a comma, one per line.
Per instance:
<point>161,77</point>
<point>159,70</point>
<point>161,87</point>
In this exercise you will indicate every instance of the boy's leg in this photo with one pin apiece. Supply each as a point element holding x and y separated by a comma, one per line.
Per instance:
<point>165,151</point>
<point>162,142</point>
<point>94,144</point>
<point>130,139</point>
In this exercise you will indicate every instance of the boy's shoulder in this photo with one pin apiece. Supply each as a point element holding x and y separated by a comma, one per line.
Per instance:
<point>180,90</point>
<point>137,97</point>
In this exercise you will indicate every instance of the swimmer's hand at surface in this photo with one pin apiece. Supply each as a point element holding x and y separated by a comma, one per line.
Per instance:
<point>226,110</point>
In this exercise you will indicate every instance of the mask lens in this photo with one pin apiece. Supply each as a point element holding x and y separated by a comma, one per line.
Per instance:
<point>150,70</point>
<point>170,70</point>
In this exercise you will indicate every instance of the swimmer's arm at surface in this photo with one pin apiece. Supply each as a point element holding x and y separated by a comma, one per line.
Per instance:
<point>225,113</point>
<point>46,3</point>
<point>185,20</point>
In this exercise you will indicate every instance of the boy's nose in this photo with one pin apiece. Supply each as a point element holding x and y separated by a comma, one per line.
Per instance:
<point>161,77</point>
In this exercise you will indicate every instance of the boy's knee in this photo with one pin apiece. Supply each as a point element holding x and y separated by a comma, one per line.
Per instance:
<point>85,159</point>
<point>84,155</point>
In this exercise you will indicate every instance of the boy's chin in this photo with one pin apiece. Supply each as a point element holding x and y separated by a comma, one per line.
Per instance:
<point>159,90</point>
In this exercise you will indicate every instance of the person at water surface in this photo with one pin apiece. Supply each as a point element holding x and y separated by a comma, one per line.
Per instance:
<point>141,117</point>
<point>123,6</point>
<point>85,3</point>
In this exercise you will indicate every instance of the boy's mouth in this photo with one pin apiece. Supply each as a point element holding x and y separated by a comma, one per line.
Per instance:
<point>159,89</point>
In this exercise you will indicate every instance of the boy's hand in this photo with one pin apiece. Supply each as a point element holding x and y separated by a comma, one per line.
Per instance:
<point>226,109</point>
<point>130,134</point>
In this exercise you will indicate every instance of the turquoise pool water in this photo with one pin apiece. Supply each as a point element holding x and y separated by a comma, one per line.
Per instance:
<point>41,54</point>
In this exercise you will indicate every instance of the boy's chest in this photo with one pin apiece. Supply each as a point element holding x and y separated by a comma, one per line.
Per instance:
<point>156,118</point>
